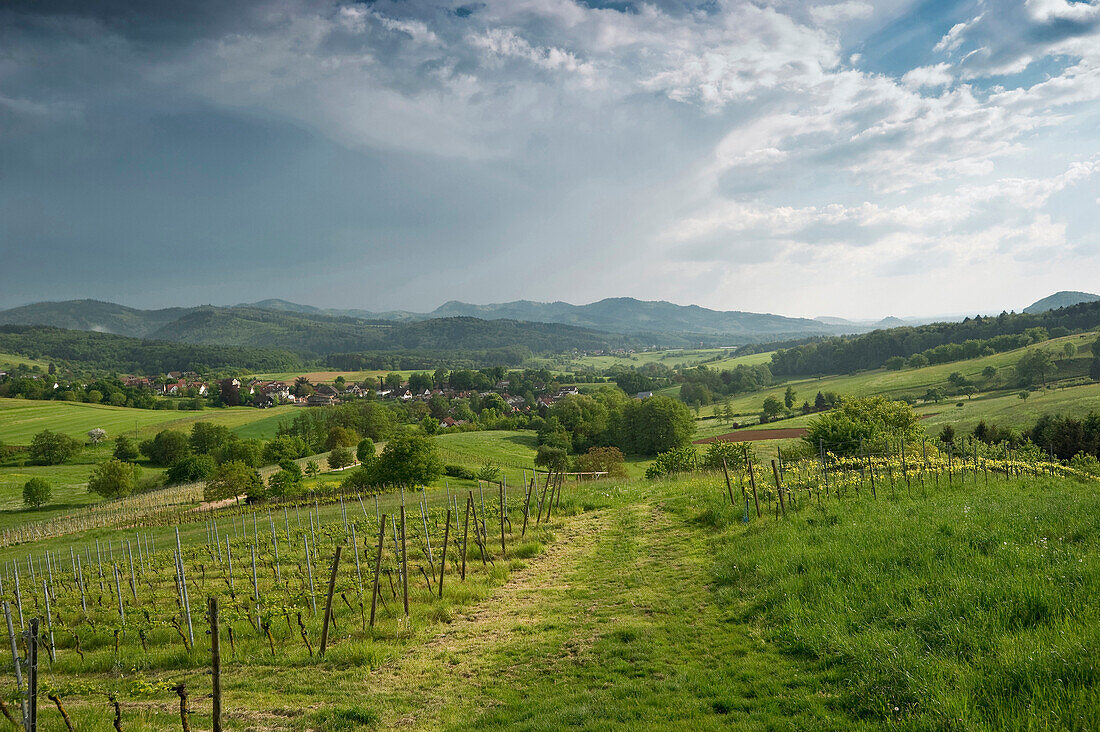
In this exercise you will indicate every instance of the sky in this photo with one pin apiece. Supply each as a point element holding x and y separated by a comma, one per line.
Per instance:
<point>853,158</point>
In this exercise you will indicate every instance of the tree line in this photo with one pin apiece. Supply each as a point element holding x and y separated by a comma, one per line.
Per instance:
<point>936,342</point>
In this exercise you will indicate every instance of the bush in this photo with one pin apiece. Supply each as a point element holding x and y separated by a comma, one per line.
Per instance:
<point>489,471</point>
<point>114,479</point>
<point>36,492</point>
<point>52,448</point>
<point>679,460</point>
<point>870,421</point>
<point>459,471</point>
<point>732,452</point>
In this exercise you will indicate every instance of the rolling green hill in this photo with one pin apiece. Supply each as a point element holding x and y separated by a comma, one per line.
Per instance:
<point>1062,299</point>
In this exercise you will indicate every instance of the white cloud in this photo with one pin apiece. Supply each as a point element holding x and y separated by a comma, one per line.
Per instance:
<point>840,12</point>
<point>928,76</point>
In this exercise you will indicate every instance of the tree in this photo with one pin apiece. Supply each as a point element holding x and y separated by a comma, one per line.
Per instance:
<point>772,409</point>
<point>340,457</point>
<point>947,435</point>
<point>1094,369</point>
<point>284,447</point>
<point>409,460</point>
<point>191,469</point>
<point>552,458</point>
<point>36,492</point>
<point>1035,366</point>
<point>659,424</point>
<point>126,450</point>
<point>603,459</point>
<point>97,435</point>
<point>870,421</point>
<point>894,363</point>
<point>418,382</point>
<point>206,437</point>
<point>52,448</point>
<point>393,381</point>
<point>302,387</point>
<point>114,479</point>
<point>340,437</point>
<point>365,452</point>
<point>788,398</point>
<point>1024,394</point>
<point>819,402</point>
<point>989,373</point>
<point>970,390</point>
<point>933,395</point>
<point>1069,350</point>
<point>918,360</point>
<point>287,481</point>
<point>230,480</point>
<point>169,446</point>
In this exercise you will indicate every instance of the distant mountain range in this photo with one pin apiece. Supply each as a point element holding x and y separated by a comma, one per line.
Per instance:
<point>543,327</point>
<point>1062,299</point>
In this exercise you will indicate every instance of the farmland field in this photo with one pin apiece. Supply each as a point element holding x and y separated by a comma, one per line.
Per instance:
<point>21,419</point>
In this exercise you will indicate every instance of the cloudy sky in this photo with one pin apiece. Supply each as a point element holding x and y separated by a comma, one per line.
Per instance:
<point>849,158</point>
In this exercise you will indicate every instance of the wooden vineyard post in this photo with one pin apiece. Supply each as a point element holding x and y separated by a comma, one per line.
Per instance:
<point>215,663</point>
<point>527,506</point>
<point>185,715</point>
<point>729,487</point>
<point>377,568</point>
<point>404,565</point>
<point>752,482</point>
<point>466,535</point>
<point>443,558</point>
<point>503,551</point>
<point>328,599</point>
<point>32,680</point>
<point>779,489</point>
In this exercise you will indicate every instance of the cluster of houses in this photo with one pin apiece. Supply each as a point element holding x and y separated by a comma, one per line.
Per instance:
<point>174,384</point>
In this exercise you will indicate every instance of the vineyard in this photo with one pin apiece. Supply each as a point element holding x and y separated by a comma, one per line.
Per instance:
<point>134,609</point>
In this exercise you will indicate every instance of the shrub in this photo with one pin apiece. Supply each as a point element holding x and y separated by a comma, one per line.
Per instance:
<point>732,452</point>
<point>552,458</point>
<point>871,421</point>
<point>678,460</point>
<point>459,471</point>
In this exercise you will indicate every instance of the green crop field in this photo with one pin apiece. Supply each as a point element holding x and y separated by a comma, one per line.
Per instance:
<point>21,419</point>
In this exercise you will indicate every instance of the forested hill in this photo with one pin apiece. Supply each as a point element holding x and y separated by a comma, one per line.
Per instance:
<point>102,317</point>
<point>121,354</point>
<point>938,342</point>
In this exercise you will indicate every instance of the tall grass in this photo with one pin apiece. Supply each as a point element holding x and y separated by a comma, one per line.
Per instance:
<point>975,608</point>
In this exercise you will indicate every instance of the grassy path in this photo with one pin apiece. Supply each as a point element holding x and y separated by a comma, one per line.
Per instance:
<point>612,627</point>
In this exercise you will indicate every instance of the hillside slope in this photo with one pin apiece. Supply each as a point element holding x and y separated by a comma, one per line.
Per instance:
<point>1062,299</point>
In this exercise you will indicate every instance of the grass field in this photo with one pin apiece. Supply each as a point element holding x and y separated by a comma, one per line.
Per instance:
<point>641,605</point>
<point>11,360</point>
<point>21,419</point>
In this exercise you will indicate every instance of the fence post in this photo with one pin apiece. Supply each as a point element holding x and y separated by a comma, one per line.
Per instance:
<point>215,662</point>
<point>404,564</point>
<point>443,558</point>
<point>779,489</point>
<point>328,600</point>
<point>32,664</point>
<point>377,568</point>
